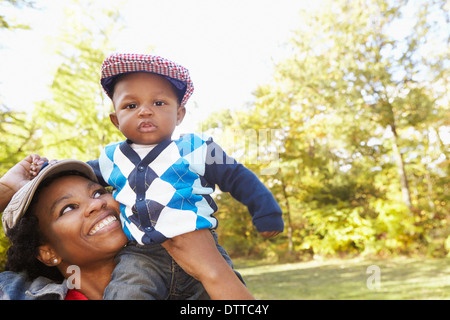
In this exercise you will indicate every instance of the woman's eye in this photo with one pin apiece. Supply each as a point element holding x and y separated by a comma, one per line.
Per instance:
<point>98,193</point>
<point>67,208</point>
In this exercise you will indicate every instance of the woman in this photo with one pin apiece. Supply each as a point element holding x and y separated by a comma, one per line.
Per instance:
<point>77,225</point>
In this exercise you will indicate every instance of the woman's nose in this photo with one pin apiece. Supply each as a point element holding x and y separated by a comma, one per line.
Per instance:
<point>94,206</point>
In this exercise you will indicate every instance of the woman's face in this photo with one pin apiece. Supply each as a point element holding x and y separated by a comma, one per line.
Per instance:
<point>80,220</point>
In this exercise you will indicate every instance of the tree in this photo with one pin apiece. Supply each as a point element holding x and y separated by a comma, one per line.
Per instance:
<point>4,22</point>
<point>16,135</point>
<point>74,123</point>
<point>352,103</point>
<point>360,68</point>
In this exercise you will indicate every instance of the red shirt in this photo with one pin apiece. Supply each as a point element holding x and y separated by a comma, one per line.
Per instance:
<point>75,295</point>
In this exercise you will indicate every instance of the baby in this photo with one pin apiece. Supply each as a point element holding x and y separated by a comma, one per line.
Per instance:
<point>164,186</point>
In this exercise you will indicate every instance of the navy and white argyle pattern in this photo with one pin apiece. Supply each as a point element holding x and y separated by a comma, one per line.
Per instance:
<point>162,195</point>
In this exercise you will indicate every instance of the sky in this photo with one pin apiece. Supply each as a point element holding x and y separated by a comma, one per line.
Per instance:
<point>229,46</point>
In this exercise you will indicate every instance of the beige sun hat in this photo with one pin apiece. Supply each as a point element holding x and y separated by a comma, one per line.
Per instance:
<point>22,198</point>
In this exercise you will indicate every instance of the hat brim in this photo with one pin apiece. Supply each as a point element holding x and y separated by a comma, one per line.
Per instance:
<point>109,83</point>
<point>22,198</point>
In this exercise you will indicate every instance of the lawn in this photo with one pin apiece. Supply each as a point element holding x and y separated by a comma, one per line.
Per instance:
<point>399,278</point>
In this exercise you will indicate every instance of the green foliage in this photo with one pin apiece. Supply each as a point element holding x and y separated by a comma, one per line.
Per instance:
<point>17,137</point>
<point>359,112</point>
<point>6,23</point>
<point>352,125</point>
<point>235,227</point>
<point>74,122</point>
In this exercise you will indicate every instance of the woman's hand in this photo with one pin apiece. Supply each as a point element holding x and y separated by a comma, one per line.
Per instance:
<point>269,234</point>
<point>190,249</point>
<point>197,254</point>
<point>19,175</point>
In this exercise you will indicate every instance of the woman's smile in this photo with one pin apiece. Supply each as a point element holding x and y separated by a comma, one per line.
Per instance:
<point>104,225</point>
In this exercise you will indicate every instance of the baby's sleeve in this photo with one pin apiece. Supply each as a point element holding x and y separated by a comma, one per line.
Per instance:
<point>243,185</point>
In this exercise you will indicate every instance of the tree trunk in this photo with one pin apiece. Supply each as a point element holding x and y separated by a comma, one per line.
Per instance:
<point>288,216</point>
<point>401,168</point>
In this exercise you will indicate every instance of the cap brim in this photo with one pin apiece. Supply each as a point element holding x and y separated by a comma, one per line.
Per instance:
<point>109,83</point>
<point>22,198</point>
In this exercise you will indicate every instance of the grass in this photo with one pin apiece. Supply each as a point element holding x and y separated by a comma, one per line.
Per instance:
<point>400,279</point>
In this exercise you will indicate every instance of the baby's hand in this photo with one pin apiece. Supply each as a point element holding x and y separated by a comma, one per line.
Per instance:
<point>36,164</point>
<point>22,172</point>
<point>269,234</point>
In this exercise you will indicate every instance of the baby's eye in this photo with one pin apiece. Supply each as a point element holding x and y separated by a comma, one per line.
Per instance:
<point>131,106</point>
<point>159,103</point>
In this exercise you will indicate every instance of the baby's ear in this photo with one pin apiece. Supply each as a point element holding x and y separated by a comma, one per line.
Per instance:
<point>181,112</point>
<point>114,120</point>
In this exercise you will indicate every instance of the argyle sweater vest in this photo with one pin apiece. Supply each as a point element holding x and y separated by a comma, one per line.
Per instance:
<point>168,192</point>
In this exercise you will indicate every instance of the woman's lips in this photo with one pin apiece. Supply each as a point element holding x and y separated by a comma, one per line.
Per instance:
<point>108,220</point>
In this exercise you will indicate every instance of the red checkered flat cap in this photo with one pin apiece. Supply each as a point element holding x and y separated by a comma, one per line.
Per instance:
<point>122,63</point>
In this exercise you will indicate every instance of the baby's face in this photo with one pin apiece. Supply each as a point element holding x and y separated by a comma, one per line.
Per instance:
<point>146,108</point>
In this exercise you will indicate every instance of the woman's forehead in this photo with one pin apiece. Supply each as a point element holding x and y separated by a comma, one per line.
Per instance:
<point>69,181</point>
<point>65,187</point>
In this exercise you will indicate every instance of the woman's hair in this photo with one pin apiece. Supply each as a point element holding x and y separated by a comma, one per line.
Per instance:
<point>26,238</point>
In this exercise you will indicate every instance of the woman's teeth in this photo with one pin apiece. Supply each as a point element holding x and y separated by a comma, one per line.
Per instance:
<point>101,224</point>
